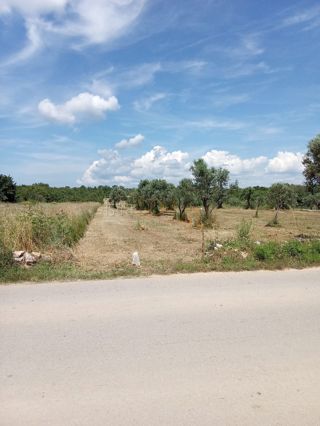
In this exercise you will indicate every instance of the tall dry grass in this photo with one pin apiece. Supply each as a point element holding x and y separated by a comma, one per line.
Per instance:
<point>35,227</point>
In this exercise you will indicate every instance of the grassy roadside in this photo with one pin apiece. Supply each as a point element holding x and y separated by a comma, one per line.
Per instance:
<point>39,227</point>
<point>236,255</point>
<point>51,231</point>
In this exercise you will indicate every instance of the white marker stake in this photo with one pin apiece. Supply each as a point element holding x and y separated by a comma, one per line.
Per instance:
<point>135,258</point>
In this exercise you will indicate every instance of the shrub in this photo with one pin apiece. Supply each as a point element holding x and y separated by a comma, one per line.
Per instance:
<point>274,222</point>
<point>293,249</point>
<point>244,229</point>
<point>267,251</point>
<point>181,216</point>
<point>210,220</point>
<point>315,246</point>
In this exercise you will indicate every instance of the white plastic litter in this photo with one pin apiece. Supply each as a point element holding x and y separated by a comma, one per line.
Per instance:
<point>135,258</point>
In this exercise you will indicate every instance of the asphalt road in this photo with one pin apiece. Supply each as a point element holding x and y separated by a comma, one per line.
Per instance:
<point>203,349</point>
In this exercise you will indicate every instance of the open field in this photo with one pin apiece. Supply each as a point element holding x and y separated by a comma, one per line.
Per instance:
<point>102,247</point>
<point>114,234</point>
<point>292,224</point>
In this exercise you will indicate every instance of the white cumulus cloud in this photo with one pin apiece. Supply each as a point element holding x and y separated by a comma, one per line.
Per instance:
<point>234,163</point>
<point>84,105</point>
<point>128,143</point>
<point>160,163</point>
<point>285,162</point>
<point>113,168</point>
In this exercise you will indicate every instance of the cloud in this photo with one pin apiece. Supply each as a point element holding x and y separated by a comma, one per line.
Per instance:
<point>84,105</point>
<point>225,101</point>
<point>106,170</point>
<point>286,162</point>
<point>234,163</point>
<point>193,67</point>
<point>102,21</point>
<point>216,124</point>
<point>251,45</point>
<point>146,104</point>
<point>248,46</point>
<point>247,69</point>
<point>139,75</point>
<point>283,163</point>
<point>311,15</point>
<point>160,163</point>
<point>112,168</point>
<point>34,43</point>
<point>128,143</point>
<point>33,7</point>
<point>85,21</point>
<point>100,87</point>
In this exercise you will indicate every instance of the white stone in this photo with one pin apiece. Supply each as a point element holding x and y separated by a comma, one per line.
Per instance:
<point>29,259</point>
<point>18,254</point>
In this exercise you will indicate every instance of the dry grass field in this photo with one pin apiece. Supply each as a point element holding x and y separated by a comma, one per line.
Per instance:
<point>113,235</point>
<point>72,209</point>
<point>89,240</point>
<point>32,227</point>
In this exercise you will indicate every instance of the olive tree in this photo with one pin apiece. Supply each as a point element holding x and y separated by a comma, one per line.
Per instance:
<point>116,195</point>
<point>185,196</point>
<point>154,193</point>
<point>222,179</point>
<point>281,196</point>
<point>311,164</point>
<point>210,185</point>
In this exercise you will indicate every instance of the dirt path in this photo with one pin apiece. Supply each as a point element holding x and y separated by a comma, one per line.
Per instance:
<point>113,235</point>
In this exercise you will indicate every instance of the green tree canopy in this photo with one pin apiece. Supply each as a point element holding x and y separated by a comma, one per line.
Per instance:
<point>210,184</point>
<point>185,196</point>
<point>222,179</point>
<point>311,164</point>
<point>7,189</point>
<point>281,196</point>
<point>116,195</point>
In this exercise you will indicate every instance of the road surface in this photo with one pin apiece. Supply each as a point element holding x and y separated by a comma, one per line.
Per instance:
<point>203,349</point>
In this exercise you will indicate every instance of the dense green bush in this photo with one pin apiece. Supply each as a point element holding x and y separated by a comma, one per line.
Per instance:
<point>266,251</point>
<point>7,189</point>
<point>293,249</point>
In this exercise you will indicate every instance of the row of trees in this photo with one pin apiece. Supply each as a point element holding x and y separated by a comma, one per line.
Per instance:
<point>209,187</point>
<point>42,192</point>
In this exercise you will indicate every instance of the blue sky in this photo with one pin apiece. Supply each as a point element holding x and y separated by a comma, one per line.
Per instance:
<point>112,91</point>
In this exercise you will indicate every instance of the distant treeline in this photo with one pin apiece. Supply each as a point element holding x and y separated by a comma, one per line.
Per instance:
<point>234,196</point>
<point>252,196</point>
<point>42,192</point>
